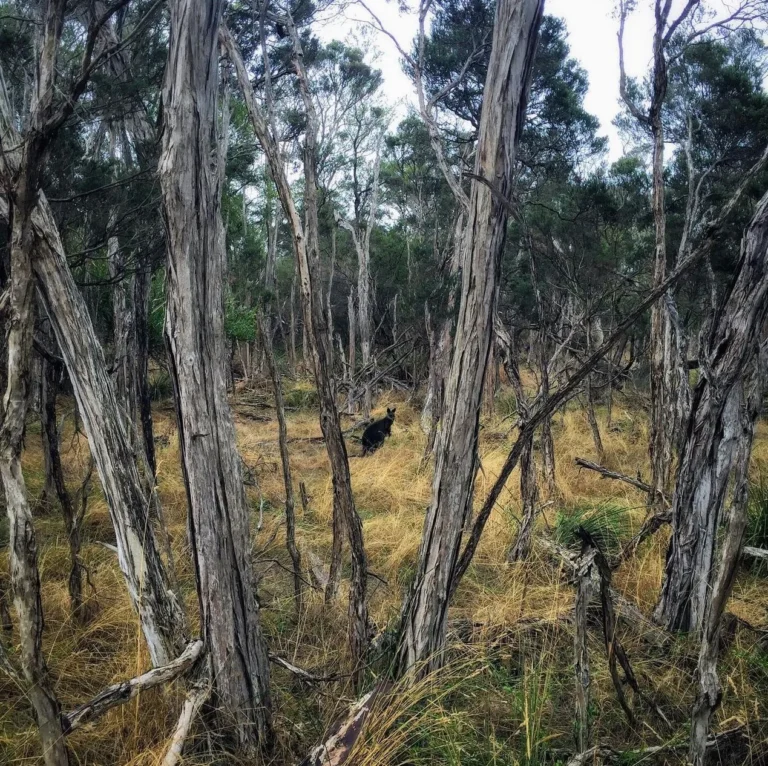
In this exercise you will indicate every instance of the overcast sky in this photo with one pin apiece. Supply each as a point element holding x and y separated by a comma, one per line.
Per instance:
<point>592,28</point>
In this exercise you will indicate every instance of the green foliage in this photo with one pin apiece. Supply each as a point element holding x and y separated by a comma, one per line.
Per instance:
<point>239,321</point>
<point>606,523</point>
<point>301,398</point>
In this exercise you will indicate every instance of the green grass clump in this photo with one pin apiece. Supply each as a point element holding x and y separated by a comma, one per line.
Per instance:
<point>607,523</point>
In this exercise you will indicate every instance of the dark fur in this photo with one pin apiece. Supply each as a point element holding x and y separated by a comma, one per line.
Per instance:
<point>374,435</point>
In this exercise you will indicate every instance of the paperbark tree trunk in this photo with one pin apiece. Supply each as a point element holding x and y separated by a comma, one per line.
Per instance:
<point>748,393</point>
<point>529,487</point>
<point>51,439</point>
<point>362,242</point>
<point>292,347</point>
<point>160,614</point>
<point>352,362</point>
<point>25,579</point>
<point>124,348</point>
<point>441,347</point>
<point>218,518</point>
<point>425,610</point>
<point>306,248</point>
<point>665,374</point>
<point>713,433</point>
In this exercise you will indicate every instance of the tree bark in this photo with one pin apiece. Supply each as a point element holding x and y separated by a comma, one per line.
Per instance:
<point>529,494</point>
<point>160,613</point>
<point>584,589</point>
<point>710,452</point>
<point>218,509</point>
<point>25,579</point>
<point>265,334</point>
<point>425,610</point>
<point>51,440</point>
<point>362,242</point>
<point>748,391</point>
<point>352,362</point>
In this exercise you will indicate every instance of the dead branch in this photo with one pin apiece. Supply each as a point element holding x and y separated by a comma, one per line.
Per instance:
<point>650,526</point>
<point>303,675</point>
<point>607,473</point>
<point>120,693</point>
<point>755,553</point>
<point>196,697</point>
<point>342,738</point>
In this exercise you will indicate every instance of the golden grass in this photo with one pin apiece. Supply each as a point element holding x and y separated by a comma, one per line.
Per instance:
<point>489,689</point>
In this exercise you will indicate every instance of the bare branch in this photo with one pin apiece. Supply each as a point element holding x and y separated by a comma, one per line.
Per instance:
<point>425,107</point>
<point>606,473</point>
<point>195,698</point>
<point>120,693</point>
<point>625,7</point>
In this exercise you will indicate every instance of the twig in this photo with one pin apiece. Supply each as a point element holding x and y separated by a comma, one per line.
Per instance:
<point>304,675</point>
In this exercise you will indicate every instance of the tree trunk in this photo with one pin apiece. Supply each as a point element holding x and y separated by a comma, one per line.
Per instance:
<point>425,611</point>
<point>292,347</point>
<point>51,439</point>
<point>710,452</point>
<point>124,356</point>
<point>142,285</point>
<point>548,457</point>
<point>584,588</point>
<point>25,579</point>
<point>329,298</point>
<point>440,354</point>
<point>352,362</point>
<point>218,509</point>
<point>748,391</point>
<point>529,495</point>
<point>665,416</point>
<point>265,335</point>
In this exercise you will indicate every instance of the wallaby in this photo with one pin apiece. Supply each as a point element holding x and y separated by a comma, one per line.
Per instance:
<point>374,435</point>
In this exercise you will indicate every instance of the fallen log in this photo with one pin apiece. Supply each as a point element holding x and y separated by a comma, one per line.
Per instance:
<point>755,553</point>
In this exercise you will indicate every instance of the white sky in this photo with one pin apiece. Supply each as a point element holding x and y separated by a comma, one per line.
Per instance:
<point>592,28</point>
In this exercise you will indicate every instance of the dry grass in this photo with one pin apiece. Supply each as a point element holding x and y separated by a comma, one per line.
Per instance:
<point>502,699</point>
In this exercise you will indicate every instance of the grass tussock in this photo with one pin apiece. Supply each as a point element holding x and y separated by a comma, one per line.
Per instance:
<point>505,695</point>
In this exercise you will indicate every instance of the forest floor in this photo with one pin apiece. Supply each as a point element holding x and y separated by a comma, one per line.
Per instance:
<point>506,695</point>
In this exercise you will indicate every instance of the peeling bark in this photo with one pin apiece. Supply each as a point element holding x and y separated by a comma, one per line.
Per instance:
<point>426,607</point>
<point>712,438</point>
<point>218,519</point>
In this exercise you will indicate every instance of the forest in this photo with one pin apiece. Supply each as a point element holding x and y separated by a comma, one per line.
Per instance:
<point>338,430</point>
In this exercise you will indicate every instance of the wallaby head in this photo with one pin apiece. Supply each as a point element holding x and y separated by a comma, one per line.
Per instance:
<point>391,413</point>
